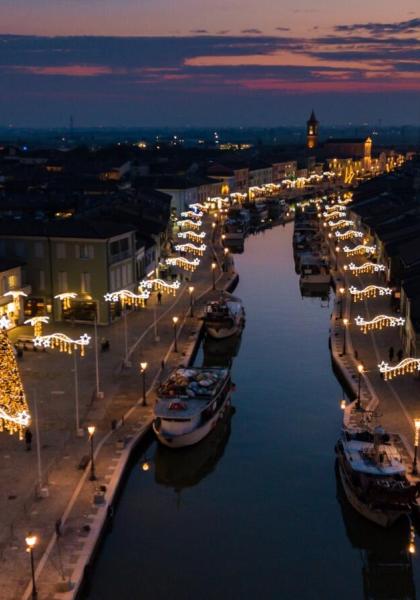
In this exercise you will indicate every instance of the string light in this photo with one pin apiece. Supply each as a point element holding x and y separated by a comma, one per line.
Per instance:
<point>371,291</point>
<point>367,267</point>
<point>190,214</point>
<point>63,342</point>
<point>5,322</point>
<point>360,249</point>
<point>340,224</point>
<point>379,322</point>
<point>191,248</point>
<point>335,213</point>
<point>406,366</point>
<point>128,297</point>
<point>14,411</point>
<point>66,299</point>
<point>333,207</point>
<point>160,285</point>
<point>189,223</point>
<point>347,235</point>
<point>36,323</point>
<point>184,263</point>
<point>199,207</point>
<point>192,235</point>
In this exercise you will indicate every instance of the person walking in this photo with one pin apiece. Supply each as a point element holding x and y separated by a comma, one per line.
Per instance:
<point>159,297</point>
<point>28,439</point>
<point>391,354</point>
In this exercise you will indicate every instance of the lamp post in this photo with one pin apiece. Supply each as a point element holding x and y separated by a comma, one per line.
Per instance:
<point>191,291</point>
<point>99,394</point>
<point>341,290</point>
<point>360,370</point>
<point>213,271</point>
<point>345,323</point>
<point>143,367</point>
<point>175,321</point>
<point>31,540</point>
<point>416,444</point>
<point>91,430</point>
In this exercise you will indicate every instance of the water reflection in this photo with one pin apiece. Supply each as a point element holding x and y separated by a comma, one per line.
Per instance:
<point>387,570</point>
<point>220,353</point>
<point>186,467</point>
<point>316,291</point>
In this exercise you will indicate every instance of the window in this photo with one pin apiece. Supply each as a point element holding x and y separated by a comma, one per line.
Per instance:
<point>12,282</point>
<point>42,280</point>
<point>39,250</point>
<point>62,281</point>
<point>61,250</point>
<point>85,283</point>
<point>4,286</point>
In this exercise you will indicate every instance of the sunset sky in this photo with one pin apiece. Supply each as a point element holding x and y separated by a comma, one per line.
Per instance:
<point>202,62</point>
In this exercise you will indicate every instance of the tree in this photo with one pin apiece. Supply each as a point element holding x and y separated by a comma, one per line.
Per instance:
<point>14,411</point>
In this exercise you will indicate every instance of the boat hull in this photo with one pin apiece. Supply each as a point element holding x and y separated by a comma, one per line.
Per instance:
<point>223,332</point>
<point>195,436</point>
<point>382,518</point>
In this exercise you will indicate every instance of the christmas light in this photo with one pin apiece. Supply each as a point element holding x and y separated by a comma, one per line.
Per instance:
<point>5,322</point>
<point>66,299</point>
<point>160,284</point>
<point>128,297</point>
<point>16,294</point>
<point>367,267</point>
<point>349,234</point>
<point>189,223</point>
<point>191,248</point>
<point>333,207</point>
<point>36,323</point>
<point>340,224</point>
<point>14,411</point>
<point>190,214</point>
<point>63,342</point>
<point>184,263</point>
<point>406,366</point>
<point>371,291</point>
<point>199,207</point>
<point>334,214</point>
<point>360,249</point>
<point>192,235</point>
<point>379,322</point>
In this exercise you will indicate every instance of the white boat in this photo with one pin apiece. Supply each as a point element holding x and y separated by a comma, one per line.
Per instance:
<point>224,317</point>
<point>373,475</point>
<point>313,270</point>
<point>190,403</point>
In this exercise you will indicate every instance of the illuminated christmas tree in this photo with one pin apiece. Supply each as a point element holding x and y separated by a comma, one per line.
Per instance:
<point>14,411</point>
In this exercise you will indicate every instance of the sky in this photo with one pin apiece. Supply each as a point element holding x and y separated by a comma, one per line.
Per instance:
<point>209,62</point>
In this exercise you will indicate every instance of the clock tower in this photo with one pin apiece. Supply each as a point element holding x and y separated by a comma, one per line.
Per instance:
<point>312,132</point>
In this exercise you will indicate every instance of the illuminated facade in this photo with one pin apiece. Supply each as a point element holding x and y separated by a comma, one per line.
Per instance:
<point>312,126</point>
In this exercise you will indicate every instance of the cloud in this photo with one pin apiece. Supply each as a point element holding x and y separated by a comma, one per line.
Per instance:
<point>198,31</point>
<point>282,28</point>
<point>409,26</point>
<point>251,31</point>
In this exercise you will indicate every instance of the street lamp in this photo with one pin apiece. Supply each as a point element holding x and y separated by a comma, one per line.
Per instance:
<point>143,367</point>
<point>175,321</point>
<point>416,444</point>
<point>360,370</point>
<point>31,540</point>
<point>213,270</point>
<point>191,291</point>
<point>91,431</point>
<point>341,290</point>
<point>345,323</point>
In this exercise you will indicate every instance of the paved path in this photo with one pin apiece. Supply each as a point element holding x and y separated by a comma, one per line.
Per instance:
<point>50,376</point>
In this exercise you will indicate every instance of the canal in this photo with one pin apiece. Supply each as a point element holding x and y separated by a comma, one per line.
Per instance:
<point>254,511</point>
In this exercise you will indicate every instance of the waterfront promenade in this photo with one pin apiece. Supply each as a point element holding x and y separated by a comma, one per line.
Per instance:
<point>119,418</point>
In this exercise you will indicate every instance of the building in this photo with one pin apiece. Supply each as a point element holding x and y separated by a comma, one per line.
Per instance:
<point>312,128</point>
<point>12,290</point>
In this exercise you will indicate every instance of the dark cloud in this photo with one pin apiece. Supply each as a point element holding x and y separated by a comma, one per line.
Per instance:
<point>251,31</point>
<point>282,28</point>
<point>198,31</point>
<point>382,28</point>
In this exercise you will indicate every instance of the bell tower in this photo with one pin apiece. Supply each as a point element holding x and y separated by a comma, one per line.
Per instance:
<point>312,131</point>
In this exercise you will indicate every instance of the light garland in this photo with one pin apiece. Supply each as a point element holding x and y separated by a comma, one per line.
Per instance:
<point>63,342</point>
<point>128,297</point>
<point>192,235</point>
<point>66,299</point>
<point>340,224</point>
<point>199,207</point>
<point>161,285</point>
<point>191,214</point>
<point>14,411</point>
<point>189,223</point>
<point>336,213</point>
<point>379,322</point>
<point>371,291</point>
<point>360,249</point>
<point>36,323</point>
<point>333,207</point>
<point>367,267</point>
<point>5,322</point>
<point>191,248</point>
<point>406,366</point>
<point>184,263</point>
<point>348,235</point>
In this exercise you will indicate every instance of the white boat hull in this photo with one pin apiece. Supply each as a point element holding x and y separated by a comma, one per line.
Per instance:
<point>382,518</point>
<point>193,437</point>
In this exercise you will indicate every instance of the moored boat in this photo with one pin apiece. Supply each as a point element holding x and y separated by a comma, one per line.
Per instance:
<point>373,475</point>
<point>190,403</point>
<point>313,270</point>
<point>224,317</point>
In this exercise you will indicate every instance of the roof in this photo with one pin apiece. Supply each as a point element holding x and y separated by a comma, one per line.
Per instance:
<point>65,228</point>
<point>9,263</point>
<point>346,140</point>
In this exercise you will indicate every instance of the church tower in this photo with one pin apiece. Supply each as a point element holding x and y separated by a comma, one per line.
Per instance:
<point>312,132</point>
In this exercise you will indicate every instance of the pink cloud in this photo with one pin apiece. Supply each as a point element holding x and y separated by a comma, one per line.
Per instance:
<point>68,70</point>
